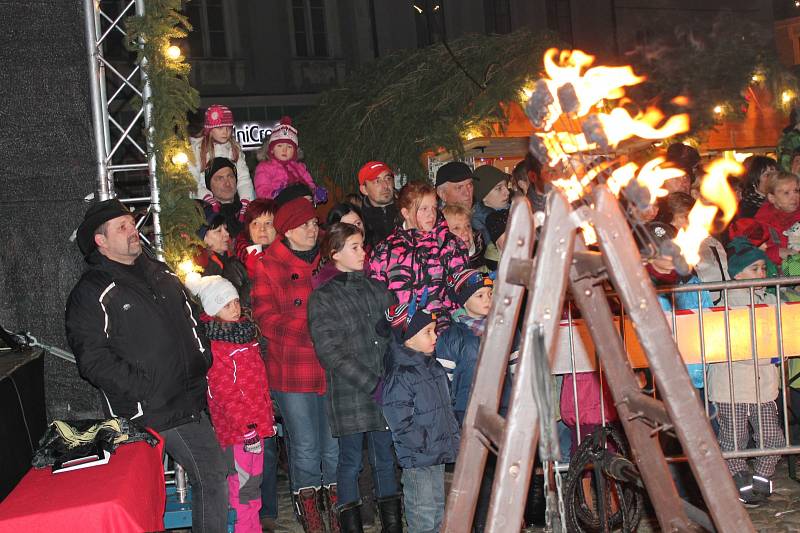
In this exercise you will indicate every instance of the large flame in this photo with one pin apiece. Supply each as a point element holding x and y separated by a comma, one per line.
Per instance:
<point>595,84</point>
<point>653,175</point>
<point>716,195</point>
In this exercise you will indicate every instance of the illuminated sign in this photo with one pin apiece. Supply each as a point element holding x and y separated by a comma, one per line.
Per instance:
<point>251,135</point>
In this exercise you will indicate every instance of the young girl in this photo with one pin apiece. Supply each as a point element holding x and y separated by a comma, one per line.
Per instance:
<point>342,313</point>
<point>420,254</point>
<point>238,394</point>
<point>281,168</point>
<point>217,140</point>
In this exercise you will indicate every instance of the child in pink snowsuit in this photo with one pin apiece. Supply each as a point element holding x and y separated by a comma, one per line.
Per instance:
<point>238,395</point>
<point>281,168</point>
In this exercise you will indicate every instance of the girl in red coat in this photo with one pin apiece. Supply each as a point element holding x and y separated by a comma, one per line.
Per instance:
<point>281,289</point>
<point>238,394</point>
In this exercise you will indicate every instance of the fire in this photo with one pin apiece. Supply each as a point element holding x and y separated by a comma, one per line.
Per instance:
<point>716,195</point>
<point>620,125</point>
<point>589,104</point>
<point>595,84</point>
<point>653,175</point>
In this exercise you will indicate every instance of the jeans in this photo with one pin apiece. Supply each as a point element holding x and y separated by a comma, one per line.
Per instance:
<point>381,458</point>
<point>269,481</point>
<point>313,452</point>
<point>423,489</point>
<point>194,446</point>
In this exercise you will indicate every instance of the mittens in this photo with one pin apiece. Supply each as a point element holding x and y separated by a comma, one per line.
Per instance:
<point>252,442</point>
<point>320,195</point>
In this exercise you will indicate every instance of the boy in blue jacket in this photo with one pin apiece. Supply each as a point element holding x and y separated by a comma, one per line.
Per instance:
<point>458,347</point>
<point>416,405</point>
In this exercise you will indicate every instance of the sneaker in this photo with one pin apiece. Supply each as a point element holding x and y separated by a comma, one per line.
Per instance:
<point>747,495</point>
<point>762,486</point>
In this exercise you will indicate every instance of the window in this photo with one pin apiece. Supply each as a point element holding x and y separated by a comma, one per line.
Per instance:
<point>207,38</point>
<point>429,22</point>
<point>559,19</point>
<point>497,16</point>
<point>310,33</point>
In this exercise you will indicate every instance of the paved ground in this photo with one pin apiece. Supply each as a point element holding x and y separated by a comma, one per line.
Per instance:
<point>781,514</point>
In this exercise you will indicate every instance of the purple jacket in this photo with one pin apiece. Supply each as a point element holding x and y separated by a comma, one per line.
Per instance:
<point>408,261</point>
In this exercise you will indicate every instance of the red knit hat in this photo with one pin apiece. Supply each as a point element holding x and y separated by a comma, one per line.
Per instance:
<point>293,214</point>
<point>371,170</point>
<point>284,133</point>
<point>218,116</point>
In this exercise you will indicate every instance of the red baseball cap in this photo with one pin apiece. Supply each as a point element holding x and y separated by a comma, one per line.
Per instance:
<point>371,170</point>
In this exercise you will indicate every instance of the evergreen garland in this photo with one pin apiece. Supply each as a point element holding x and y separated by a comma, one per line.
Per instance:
<point>411,101</point>
<point>172,100</point>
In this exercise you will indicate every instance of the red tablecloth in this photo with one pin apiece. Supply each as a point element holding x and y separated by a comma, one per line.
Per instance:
<point>126,494</point>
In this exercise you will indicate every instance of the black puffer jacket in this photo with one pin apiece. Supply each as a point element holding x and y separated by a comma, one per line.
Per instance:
<point>342,313</point>
<point>133,332</point>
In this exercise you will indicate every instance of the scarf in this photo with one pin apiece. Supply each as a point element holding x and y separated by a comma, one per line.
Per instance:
<point>240,332</point>
<point>475,325</point>
<point>307,256</point>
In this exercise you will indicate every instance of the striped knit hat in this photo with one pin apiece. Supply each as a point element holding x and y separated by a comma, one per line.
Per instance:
<point>405,324</point>
<point>466,283</point>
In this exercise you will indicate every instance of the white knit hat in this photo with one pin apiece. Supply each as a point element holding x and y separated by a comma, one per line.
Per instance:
<point>214,291</point>
<point>284,133</point>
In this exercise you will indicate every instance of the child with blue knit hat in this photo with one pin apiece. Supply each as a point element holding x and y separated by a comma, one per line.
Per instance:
<point>751,402</point>
<point>416,405</point>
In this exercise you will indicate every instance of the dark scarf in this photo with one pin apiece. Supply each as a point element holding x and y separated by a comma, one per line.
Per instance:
<point>240,332</point>
<point>307,256</point>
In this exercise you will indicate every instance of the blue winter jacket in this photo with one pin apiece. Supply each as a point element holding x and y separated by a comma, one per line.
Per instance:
<point>688,300</point>
<point>480,212</point>
<point>457,350</point>
<point>416,404</point>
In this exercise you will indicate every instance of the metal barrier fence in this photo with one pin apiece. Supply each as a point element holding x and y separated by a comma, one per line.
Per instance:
<point>731,323</point>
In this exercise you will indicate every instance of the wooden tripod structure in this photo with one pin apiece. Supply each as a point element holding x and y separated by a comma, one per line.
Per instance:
<point>562,262</point>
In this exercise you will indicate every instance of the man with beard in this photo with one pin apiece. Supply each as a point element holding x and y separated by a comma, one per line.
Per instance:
<point>134,335</point>
<point>376,183</point>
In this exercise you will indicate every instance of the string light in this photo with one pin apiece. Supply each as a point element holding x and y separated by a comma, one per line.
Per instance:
<point>173,52</point>
<point>718,109</point>
<point>186,267</point>
<point>787,95</point>
<point>180,158</point>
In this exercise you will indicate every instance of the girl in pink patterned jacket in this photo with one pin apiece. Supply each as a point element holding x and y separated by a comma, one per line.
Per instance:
<point>281,168</point>
<point>421,253</point>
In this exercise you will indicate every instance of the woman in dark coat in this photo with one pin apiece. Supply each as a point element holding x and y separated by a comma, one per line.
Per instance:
<point>343,311</point>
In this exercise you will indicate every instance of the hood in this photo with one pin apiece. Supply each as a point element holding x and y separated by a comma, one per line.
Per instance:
<point>325,274</point>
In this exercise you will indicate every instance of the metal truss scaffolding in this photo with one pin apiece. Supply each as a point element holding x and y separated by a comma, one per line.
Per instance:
<point>122,129</point>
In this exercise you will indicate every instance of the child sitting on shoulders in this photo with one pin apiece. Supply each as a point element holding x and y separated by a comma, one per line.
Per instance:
<point>281,168</point>
<point>238,394</point>
<point>740,407</point>
<point>416,404</point>
<point>216,140</point>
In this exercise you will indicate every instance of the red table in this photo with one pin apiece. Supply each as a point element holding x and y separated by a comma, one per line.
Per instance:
<point>126,494</point>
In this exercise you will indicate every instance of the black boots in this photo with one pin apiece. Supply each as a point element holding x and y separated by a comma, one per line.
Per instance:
<point>350,518</point>
<point>391,509</point>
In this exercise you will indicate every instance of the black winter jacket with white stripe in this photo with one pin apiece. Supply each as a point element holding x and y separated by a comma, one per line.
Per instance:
<point>133,332</point>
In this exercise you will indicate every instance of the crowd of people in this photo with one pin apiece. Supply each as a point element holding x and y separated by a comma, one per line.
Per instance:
<point>360,333</point>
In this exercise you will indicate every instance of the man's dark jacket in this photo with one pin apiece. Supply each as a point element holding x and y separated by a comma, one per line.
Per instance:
<point>133,332</point>
<point>379,222</point>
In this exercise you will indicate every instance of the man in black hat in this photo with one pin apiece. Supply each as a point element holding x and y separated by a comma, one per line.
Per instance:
<point>221,180</point>
<point>132,329</point>
<point>454,184</point>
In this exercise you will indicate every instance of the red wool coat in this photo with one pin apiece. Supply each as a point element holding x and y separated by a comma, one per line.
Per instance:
<point>238,392</point>
<point>281,288</point>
